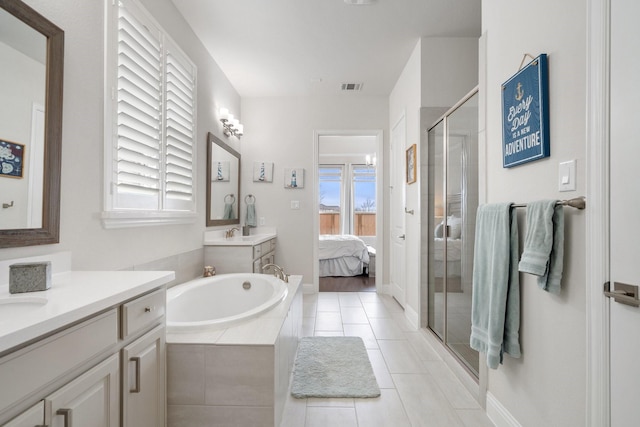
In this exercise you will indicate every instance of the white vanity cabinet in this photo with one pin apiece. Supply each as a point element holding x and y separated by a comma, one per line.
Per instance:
<point>33,416</point>
<point>89,400</point>
<point>240,256</point>
<point>103,370</point>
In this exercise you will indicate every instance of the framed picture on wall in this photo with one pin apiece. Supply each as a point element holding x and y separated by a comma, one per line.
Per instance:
<point>411,164</point>
<point>294,178</point>
<point>11,159</point>
<point>262,172</point>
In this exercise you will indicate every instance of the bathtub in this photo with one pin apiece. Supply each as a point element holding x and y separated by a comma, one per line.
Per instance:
<point>221,301</point>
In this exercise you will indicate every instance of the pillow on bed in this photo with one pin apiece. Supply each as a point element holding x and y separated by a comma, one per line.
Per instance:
<point>438,231</point>
<point>455,227</point>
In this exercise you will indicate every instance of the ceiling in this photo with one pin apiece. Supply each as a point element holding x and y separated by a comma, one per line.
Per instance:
<point>311,47</point>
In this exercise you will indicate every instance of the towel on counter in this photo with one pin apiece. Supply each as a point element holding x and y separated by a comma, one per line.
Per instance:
<point>543,252</point>
<point>228,211</point>
<point>495,306</point>
<point>251,215</point>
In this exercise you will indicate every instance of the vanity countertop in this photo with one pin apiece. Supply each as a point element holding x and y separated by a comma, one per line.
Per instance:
<point>252,240</point>
<point>73,296</point>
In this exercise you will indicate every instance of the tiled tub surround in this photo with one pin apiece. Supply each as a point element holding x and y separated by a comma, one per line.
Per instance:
<point>236,376</point>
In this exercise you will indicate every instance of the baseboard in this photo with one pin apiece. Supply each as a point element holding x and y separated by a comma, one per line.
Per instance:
<point>412,316</point>
<point>384,289</point>
<point>498,414</point>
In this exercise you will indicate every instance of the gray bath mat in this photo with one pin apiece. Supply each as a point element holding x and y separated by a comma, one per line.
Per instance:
<point>333,367</point>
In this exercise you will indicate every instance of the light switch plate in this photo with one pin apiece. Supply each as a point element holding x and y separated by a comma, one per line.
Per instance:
<point>295,204</point>
<point>567,176</point>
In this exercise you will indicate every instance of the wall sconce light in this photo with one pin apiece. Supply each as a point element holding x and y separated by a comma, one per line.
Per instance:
<point>370,160</point>
<point>230,124</point>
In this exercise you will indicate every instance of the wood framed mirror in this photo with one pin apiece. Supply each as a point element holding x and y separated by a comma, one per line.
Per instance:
<point>36,217</point>
<point>223,183</point>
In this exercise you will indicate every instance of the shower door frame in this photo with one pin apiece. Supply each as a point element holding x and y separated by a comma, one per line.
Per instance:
<point>428,235</point>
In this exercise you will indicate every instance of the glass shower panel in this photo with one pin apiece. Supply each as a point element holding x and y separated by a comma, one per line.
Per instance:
<point>461,206</point>
<point>436,265</point>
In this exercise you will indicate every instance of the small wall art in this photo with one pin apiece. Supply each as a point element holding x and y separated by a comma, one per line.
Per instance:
<point>11,159</point>
<point>411,164</point>
<point>262,172</point>
<point>525,114</point>
<point>294,178</point>
<point>220,171</point>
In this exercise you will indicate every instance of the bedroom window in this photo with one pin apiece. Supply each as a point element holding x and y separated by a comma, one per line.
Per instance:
<point>150,122</point>
<point>347,202</point>
<point>330,194</point>
<point>363,180</point>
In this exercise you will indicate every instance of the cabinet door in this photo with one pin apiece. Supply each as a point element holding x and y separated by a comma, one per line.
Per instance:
<point>91,400</point>
<point>33,416</point>
<point>143,381</point>
<point>257,266</point>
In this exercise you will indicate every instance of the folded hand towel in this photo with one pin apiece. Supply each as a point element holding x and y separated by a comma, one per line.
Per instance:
<point>544,244</point>
<point>495,307</point>
<point>538,239</point>
<point>251,215</point>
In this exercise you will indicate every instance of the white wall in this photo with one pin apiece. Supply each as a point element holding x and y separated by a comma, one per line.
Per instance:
<point>93,247</point>
<point>546,386</point>
<point>439,72</point>
<point>281,130</point>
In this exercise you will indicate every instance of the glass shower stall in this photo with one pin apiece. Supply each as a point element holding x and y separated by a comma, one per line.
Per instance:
<point>450,201</point>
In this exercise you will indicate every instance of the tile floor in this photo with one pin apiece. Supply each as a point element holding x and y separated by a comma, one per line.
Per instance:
<point>417,387</point>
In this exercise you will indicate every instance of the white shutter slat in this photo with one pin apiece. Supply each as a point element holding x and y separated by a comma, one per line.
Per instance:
<point>139,113</point>
<point>180,126</point>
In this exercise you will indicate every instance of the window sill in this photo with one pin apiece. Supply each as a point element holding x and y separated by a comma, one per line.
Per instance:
<point>129,219</point>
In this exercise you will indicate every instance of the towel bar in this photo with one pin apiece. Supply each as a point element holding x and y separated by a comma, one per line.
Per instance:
<point>578,203</point>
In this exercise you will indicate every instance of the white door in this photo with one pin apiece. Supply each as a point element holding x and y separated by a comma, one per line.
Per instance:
<point>397,173</point>
<point>625,211</point>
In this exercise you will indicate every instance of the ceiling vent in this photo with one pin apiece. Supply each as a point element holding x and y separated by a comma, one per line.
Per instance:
<point>351,87</point>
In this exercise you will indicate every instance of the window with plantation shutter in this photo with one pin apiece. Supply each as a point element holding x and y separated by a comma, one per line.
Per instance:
<point>149,122</point>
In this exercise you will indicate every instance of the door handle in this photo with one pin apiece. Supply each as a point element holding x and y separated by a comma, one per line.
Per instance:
<point>623,293</point>
<point>401,237</point>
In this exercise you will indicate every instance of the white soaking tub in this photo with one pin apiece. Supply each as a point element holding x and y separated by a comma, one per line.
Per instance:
<point>221,301</point>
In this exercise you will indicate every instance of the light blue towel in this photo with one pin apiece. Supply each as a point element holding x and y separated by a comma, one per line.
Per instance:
<point>495,307</point>
<point>228,211</point>
<point>251,215</point>
<point>543,252</point>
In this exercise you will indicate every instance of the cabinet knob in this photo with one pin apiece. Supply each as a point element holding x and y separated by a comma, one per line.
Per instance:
<point>148,309</point>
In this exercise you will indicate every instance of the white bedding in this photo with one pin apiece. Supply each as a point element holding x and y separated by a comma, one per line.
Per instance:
<point>454,256</point>
<point>342,255</point>
<point>454,249</point>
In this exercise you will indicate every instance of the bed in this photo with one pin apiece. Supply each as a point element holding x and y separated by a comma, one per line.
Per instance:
<point>342,255</point>
<point>453,240</point>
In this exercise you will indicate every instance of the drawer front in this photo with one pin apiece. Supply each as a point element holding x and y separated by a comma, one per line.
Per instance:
<point>265,247</point>
<point>257,251</point>
<point>35,366</point>
<point>143,312</point>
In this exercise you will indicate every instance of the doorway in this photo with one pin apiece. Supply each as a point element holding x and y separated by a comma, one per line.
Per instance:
<point>348,224</point>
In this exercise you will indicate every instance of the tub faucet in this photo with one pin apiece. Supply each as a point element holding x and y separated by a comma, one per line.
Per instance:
<point>229,233</point>
<point>277,271</point>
